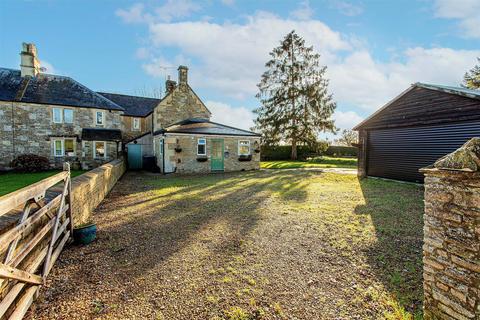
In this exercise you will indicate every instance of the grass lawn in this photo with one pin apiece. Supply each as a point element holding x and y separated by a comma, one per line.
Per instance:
<point>10,182</point>
<point>322,162</point>
<point>255,245</point>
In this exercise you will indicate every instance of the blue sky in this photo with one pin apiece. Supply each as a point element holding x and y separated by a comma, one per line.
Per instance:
<point>373,49</point>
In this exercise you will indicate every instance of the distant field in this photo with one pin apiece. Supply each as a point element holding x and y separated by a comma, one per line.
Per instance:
<point>321,162</point>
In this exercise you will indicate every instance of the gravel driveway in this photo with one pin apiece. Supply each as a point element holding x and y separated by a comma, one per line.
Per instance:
<point>250,245</point>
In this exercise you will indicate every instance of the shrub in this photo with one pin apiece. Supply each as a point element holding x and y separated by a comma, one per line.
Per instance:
<point>30,163</point>
<point>276,153</point>
<point>273,153</point>
<point>341,151</point>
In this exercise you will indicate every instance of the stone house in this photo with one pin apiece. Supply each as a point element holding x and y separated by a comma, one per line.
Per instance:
<point>59,118</point>
<point>56,117</point>
<point>186,141</point>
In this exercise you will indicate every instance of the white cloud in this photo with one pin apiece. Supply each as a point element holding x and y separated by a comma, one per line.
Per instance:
<point>240,117</point>
<point>176,9</point>
<point>467,11</point>
<point>347,8</point>
<point>230,57</point>
<point>172,9</point>
<point>134,14</point>
<point>356,77</point>
<point>347,119</point>
<point>142,53</point>
<point>304,12</point>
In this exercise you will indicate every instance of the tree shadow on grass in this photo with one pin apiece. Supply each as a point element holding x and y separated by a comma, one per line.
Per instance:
<point>146,220</point>
<point>396,211</point>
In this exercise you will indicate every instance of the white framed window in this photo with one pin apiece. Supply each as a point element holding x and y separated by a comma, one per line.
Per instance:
<point>57,115</point>
<point>63,147</point>
<point>68,115</point>
<point>202,147</point>
<point>57,148</point>
<point>99,118</point>
<point>244,147</point>
<point>136,124</point>
<point>99,149</point>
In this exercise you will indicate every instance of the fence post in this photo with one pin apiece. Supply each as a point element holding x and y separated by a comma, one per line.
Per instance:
<point>451,251</point>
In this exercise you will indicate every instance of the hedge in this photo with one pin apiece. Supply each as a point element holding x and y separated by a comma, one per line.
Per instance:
<point>341,151</point>
<point>273,153</point>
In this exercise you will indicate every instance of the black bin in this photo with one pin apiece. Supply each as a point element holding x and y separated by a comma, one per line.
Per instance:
<point>149,164</point>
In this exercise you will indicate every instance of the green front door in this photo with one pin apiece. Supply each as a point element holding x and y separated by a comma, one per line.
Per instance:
<point>217,155</point>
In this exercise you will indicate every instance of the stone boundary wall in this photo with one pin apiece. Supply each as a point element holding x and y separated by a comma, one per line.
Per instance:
<point>90,188</point>
<point>451,251</point>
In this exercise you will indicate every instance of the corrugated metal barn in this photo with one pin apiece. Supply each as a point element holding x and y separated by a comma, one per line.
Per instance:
<point>412,131</point>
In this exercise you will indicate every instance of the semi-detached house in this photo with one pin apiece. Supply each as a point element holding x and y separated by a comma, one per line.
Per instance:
<point>61,119</point>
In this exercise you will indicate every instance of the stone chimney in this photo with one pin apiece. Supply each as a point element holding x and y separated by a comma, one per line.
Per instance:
<point>29,65</point>
<point>169,85</point>
<point>182,75</point>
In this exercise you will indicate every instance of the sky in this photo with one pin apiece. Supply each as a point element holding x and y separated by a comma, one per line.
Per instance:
<point>373,50</point>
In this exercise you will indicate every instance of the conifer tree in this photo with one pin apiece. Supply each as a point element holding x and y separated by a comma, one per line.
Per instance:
<point>295,103</point>
<point>471,79</point>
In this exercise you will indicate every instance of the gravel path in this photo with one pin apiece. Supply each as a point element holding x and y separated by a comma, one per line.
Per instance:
<point>260,245</point>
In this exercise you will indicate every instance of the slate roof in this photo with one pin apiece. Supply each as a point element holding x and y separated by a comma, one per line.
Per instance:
<point>50,89</point>
<point>100,134</point>
<point>205,127</point>
<point>134,106</point>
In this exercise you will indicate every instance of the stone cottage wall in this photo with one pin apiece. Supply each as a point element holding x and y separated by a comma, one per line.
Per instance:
<point>179,105</point>
<point>186,160</point>
<point>128,133</point>
<point>452,239</point>
<point>28,128</point>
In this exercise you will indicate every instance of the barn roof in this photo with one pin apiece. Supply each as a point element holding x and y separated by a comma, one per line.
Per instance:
<point>50,89</point>
<point>134,105</point>
<point>424,103</point>
<point>205,127</point>
<point>471,93</point>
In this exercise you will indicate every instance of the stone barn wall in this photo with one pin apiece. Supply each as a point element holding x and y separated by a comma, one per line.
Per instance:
<point>452,236</point>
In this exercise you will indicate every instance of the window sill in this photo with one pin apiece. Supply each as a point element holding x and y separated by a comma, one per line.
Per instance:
<point>245,157</point>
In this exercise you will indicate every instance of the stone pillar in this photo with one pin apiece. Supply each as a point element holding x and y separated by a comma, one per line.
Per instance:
<point>451,251</point>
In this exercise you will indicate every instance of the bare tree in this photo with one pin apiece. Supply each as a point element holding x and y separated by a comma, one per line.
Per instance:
<point>152,92</point>
<point>348,138</point>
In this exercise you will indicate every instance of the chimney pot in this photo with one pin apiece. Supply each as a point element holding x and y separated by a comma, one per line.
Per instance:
<point>170,85</point>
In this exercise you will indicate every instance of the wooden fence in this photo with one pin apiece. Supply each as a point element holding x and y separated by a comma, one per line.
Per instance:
<point>31,247</point>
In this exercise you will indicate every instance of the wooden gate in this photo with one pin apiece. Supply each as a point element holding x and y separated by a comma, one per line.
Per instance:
<point>31,247</point>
